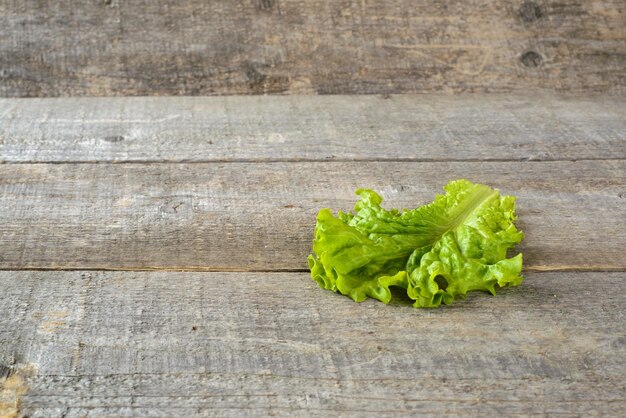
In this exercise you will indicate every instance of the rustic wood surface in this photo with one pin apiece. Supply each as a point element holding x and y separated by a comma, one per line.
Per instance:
<point>402,127</point>
<point>260,216</point>
<point>194,47</point>
<point>234,183</point>
<point>227,344</point>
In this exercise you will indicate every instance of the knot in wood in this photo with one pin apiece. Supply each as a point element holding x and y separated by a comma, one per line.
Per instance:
<point>531,59</point>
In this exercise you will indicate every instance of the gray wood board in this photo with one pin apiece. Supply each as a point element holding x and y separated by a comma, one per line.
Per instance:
<point>194,47</point>
<point>227,344</point>
<point>260,216</point>
<point>407,127</point>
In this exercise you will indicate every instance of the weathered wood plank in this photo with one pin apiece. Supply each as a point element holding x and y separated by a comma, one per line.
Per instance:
<point>194,47</point>
<point>224,344</point>
<point>260,216</point>
<point>407,127</point>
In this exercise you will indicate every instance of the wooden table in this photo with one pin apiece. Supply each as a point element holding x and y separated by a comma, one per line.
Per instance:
<point>153,255</point>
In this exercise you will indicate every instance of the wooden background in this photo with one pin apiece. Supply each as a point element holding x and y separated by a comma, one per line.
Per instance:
<point>153,249</point>
<point>205,208</point>
<point>197,47</point>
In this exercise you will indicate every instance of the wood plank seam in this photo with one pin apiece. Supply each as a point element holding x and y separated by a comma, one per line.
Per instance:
<point>200,269</point>
<point>312,160</point>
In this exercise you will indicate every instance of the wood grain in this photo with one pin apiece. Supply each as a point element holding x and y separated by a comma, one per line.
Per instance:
<point>193,47</point>
<point>404,127</point>
<point>227,344</point>
<point>260,216</point>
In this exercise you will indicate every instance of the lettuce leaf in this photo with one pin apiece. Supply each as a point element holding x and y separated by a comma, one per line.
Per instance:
<point>437,252</point>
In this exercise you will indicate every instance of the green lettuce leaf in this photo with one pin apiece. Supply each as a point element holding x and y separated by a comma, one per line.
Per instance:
<point>437,252</point>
